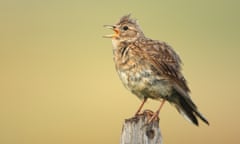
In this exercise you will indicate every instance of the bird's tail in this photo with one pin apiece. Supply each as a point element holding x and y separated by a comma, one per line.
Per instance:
<point>187,108</point>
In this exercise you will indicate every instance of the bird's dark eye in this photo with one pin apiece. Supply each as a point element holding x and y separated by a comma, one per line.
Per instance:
<point>125,28</point>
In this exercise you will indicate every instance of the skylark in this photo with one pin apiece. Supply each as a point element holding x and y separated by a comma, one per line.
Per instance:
<point>151,69</point>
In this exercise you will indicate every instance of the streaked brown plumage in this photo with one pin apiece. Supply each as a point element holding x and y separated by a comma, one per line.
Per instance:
<point>151,69</point>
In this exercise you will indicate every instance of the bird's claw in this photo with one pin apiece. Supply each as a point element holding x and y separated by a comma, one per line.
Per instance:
<point>151,116</point>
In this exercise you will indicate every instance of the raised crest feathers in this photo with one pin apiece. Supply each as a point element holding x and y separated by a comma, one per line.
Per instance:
<point>127,19</point>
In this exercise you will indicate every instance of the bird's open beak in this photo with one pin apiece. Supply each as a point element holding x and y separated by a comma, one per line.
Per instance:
<point>112,27</point>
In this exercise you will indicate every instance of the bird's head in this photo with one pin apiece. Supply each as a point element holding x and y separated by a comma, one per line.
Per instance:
<point>126,30</point>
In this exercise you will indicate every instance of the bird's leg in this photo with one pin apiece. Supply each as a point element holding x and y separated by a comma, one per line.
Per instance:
<point>155,115</point>
<point>141,106</point>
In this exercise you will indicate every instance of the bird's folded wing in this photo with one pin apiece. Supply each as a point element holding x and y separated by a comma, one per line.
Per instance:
<point>166,61</point>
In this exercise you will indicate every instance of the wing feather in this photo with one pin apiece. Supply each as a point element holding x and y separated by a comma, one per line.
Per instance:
<point>166,61</point>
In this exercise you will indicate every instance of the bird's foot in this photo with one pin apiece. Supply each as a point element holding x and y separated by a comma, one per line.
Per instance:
<point>153,117</point>
<point>137,113</point>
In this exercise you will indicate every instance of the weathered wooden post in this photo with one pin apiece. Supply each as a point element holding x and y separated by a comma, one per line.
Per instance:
<point>136,130</point>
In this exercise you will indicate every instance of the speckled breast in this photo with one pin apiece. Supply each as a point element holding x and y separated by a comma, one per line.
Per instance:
<point>138,77</point>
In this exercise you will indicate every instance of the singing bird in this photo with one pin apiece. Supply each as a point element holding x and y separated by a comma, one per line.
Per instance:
<point>150,69</point>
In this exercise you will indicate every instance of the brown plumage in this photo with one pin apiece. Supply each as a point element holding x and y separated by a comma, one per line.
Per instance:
<point>150,69</point>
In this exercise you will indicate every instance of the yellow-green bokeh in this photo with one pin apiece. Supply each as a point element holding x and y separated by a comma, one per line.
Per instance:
<point>57,78</point>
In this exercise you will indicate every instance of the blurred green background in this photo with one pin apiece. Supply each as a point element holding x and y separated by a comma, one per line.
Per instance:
<point>58,83</point>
